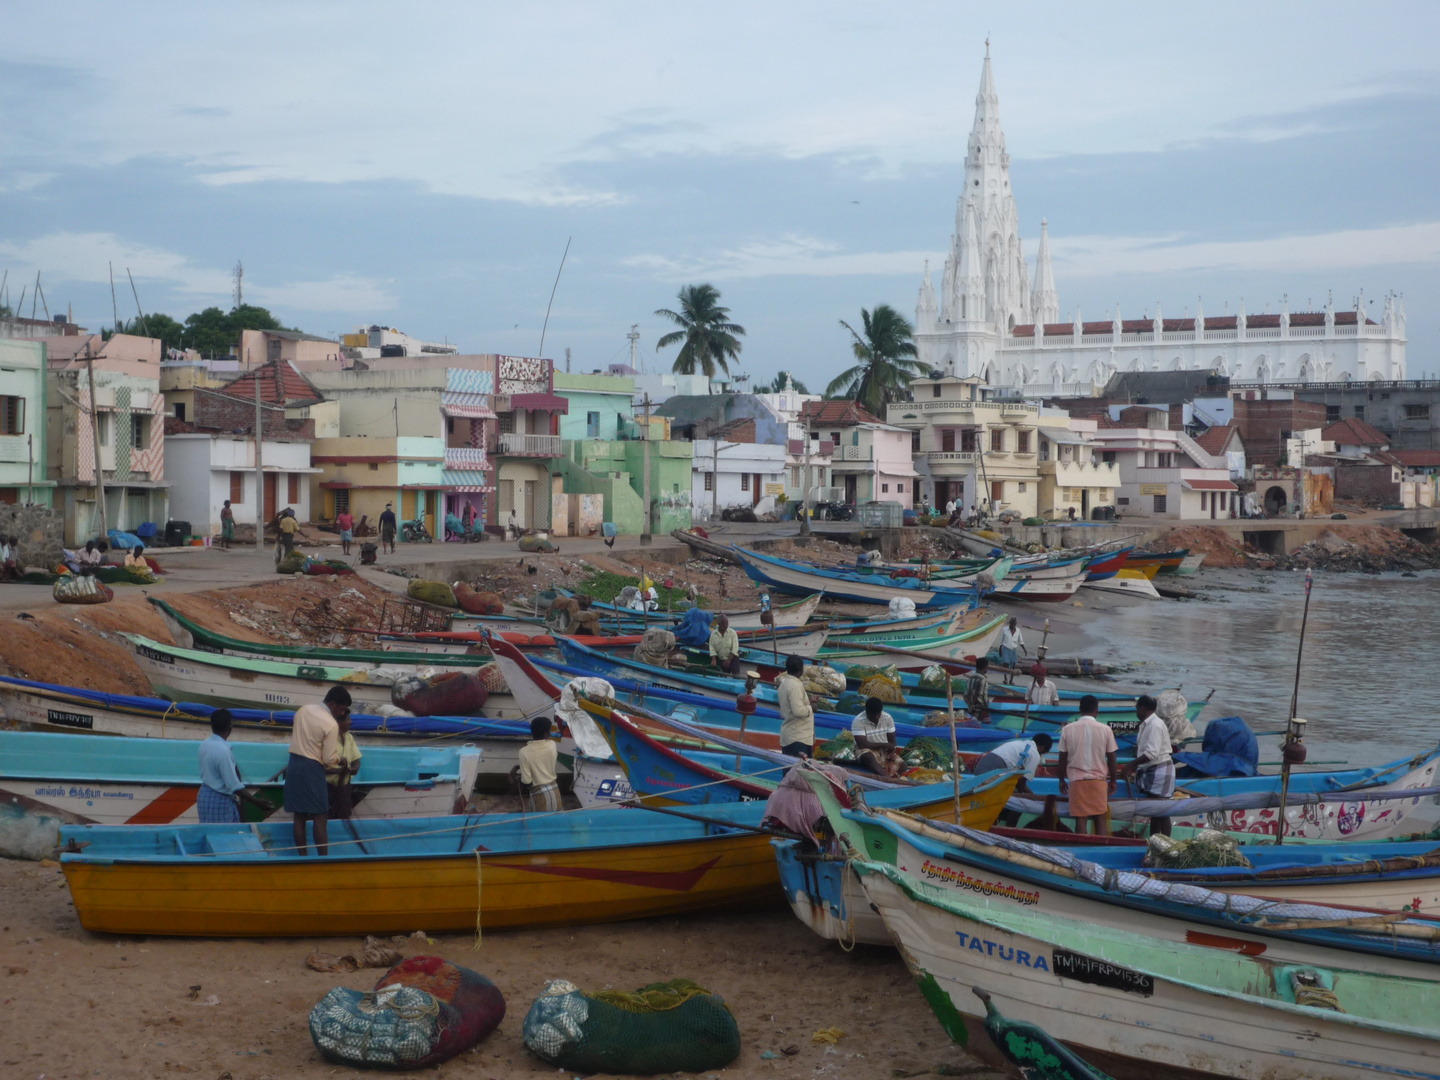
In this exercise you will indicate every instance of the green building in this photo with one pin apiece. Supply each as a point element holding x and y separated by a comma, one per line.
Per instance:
<point>24,469</point>
<point>615,470</point>
<point>600,405</point>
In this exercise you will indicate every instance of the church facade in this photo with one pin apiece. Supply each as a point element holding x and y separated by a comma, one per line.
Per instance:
<point>990,320</point>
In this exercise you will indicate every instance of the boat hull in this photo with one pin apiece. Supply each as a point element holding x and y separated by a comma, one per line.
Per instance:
<point>788,579</point>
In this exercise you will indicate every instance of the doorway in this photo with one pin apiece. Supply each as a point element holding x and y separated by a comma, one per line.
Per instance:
<point>1084,504</point>
<point>850,488</point>
<point>755,487</point>
<point>270,496</point>
<point>1275,500</point>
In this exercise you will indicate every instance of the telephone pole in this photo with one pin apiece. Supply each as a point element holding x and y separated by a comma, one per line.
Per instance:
<point>645,536</point>
<point>95,441</point>
<point>805,484</point>
<point>259,475</point>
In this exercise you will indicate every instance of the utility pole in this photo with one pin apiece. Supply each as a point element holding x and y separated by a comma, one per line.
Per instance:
<point>95,442</point>
<point>645,536</point>
<point>259,475</point>
<point>714,477</point>
<point>805,483</point>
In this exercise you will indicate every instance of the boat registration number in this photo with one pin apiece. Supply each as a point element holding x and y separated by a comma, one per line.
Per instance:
<point>1124,727</point>
<point>70,719</point>
<point>151,654</point>
<point>1087,969</point>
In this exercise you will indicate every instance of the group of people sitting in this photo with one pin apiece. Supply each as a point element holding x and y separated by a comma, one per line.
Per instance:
<point>11,568</point>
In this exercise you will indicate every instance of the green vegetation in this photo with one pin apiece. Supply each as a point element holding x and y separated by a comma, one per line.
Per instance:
<point>886,365</point>
<point>710,341</point>
<point>604,586</point>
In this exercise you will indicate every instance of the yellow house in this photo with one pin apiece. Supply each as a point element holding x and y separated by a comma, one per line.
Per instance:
<point>1074,481</point>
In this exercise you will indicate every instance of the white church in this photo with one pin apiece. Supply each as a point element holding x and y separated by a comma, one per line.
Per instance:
<point>990,322</point>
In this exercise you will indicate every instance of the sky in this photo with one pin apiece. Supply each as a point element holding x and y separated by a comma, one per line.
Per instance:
<point>424,166</point>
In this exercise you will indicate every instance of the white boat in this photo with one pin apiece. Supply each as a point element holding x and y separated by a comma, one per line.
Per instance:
<point>1048,589</point>
<point>1126,583</point>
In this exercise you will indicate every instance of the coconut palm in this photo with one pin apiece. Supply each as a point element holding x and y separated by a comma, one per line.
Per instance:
<point>709,340</point>
<point>885,367</point>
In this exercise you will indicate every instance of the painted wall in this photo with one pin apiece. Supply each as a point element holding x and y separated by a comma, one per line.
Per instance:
<point>200,470</point>
<point>23,471</point>
<point>736,462</point>
<point>608,396</point>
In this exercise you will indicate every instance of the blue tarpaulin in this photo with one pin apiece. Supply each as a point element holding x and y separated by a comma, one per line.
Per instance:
<point>694,628</point>
<point>1228,749</point>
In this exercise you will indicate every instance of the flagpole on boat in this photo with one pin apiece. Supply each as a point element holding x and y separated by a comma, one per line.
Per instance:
<point>1292,750</point>
<point>954,744</point>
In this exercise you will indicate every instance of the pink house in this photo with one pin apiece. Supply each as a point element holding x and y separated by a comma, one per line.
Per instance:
<point>872,459</point>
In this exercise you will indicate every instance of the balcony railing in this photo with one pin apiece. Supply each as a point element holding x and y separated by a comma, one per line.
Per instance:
<point>853,453</point>
<point>952,457</point>
<point>529,445</point>
<point>465,457</point>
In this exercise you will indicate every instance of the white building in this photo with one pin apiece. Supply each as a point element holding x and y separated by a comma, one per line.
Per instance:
<point>206,469</point>
<point>1165,473</point>
<point>990,321</point>
<point>739,474</point>
<point>373,342</point>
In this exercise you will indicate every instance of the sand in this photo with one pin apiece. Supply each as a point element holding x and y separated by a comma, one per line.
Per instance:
<point>75,1004</point>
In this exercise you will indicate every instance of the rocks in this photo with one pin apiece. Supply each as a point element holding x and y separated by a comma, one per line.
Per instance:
<point>1369,549</point>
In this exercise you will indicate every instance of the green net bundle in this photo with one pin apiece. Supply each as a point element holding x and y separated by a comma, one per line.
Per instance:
<point>926,752</point>
<point>933,678</point>
<point>1207,848</point>
<point>291,564</point>
<point>661,1028</point>
<point>840,748</point>
<point>860,673</point>
<point>431,592</point>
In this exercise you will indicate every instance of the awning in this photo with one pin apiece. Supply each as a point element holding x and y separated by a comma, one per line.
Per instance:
<point>468,406</point>
<point>1062,435</point>
<point>464,480</point>
<point>1208,485</point>
<point>896,470</point>
<point>549,402</point>
<point>335,485</point>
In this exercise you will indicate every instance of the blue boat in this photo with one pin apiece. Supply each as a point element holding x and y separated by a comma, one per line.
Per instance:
<point>798,579</point>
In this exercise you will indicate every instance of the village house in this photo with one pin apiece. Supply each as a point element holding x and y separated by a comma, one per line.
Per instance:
<point>1164,473</point>
<point>24,476</point>
<point>870,460</point>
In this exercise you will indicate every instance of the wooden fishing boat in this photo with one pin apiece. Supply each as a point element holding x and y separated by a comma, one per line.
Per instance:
<point>1167,562</point>
<point>51,779</point>
<point>786,577</point>
<point>1041,589</point>
<point>796,613</point>
<point>948,620</point>
<point>1126,583</point>
<point>1106,564</point>
<point>455,873</point>
<point>1189,565</point>
<point>216,679</point>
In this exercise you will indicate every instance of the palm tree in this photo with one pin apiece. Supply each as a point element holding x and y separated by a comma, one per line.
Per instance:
<point>885,369</point>
<point>709,340</point>
<point>777,385</point>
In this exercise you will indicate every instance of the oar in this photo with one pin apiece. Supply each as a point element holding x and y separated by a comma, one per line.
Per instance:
<point>954,744</point>
<point>1295,732</point>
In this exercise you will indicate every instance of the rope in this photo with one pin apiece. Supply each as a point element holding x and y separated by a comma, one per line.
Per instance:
<point>658,997</point>
<point>1317,997</point>
<point>479,897</point>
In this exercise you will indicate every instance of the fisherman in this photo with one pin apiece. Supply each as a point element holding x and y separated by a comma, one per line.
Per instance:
<point>1042,691</point>
<point>227,525</point>
<point>314,753</point>
<point>90,558</point>
<point>538,785</point>
<point>875,739</point>
<point>135,557</point>
<point>1087,767</point>
<point>1012,643</point>
<point>977,692</point>
<point>1027,755</point>
<point>342,796</point>
<point>221,789</point>
<point>797,715</point>
<point>1153,769</point>
<point>725,646</point>
<point>387,530</point>
<point>345,522</point>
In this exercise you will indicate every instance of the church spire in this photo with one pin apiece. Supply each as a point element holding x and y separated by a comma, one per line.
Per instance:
<point>970,274</point>
<point>1044,301</point>
<point>925,310</point>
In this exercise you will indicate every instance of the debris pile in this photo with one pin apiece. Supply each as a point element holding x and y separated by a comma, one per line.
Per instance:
<point>1362,549</point>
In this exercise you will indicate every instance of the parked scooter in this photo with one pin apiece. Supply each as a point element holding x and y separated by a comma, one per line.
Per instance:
<point>412,532</point>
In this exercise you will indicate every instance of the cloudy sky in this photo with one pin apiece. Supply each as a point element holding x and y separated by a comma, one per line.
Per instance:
<point>423,165</point>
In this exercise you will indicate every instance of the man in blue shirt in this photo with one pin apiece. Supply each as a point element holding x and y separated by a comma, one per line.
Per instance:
<point>220,784</point>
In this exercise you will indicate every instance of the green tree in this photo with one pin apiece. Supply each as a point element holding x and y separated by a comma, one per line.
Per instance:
<point>156,325</point>
<point>214,332</point>
<point>777,385</point>
<point>710,341</point>
<point>885,353</point>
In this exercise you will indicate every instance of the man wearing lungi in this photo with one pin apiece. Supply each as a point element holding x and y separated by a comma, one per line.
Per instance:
<point>1087,767</point>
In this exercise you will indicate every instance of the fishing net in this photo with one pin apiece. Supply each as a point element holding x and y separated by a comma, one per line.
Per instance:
<point>886,689</point>
<point>824,679</point>
<point>662,1028</point>
<point>431,592</point>
<point>926,752</point>
<point>492,678</point>
<point>1207,848</point>
<point>291,564</point>
<point>840,748</point>
<point>860,673</point>
<point>933,678</point>
<point>423,1011</point>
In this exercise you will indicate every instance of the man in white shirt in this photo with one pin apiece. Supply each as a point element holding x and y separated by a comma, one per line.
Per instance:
<point>1087,767</point>
<point>1011,643</point>
<point>797,715</point>
<point>1042,691</point>
<point>875,739</point>
<point>1153,769</point>
<point>1027,755</point>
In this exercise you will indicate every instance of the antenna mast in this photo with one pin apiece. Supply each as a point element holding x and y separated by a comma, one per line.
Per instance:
<point>239,275</point>
<point>634,338</point>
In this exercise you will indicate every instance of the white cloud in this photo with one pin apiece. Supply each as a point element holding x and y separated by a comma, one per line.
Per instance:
<point>336,294</point>
<point>791,254</point>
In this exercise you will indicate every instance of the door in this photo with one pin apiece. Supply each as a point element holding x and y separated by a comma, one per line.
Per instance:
<point>997,493</point>
<point>1084,504</point>
<point>270,496</point>
<point>947,440</point>
<point>942,494</point>
<point>755,488</point>
<point>432,523</point>
<point>527,514</point>
<point>851,494</point>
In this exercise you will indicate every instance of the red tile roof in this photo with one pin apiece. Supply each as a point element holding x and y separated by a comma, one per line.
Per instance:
<point>841,413</point>
<point>1215,441</point>
<point>279,383</point>
<point>1173,326</point>
<point>1417,459</point>
<point>1354,432</point>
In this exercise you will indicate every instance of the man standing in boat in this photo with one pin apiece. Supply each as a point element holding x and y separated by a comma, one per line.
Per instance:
<point>314,753</point>
<point>1153,768</point>
<point>725,646</point>
<point>797,715</point>
<point>977,692</point>
<point>1087,767</point>
<point>1042,691</point>
<point>221,789</point>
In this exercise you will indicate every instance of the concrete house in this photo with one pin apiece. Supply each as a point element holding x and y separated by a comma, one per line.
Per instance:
<point>1164,473</point>
<point>24,476</point>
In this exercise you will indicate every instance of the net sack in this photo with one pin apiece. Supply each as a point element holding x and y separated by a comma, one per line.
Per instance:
<point>422,1011</point>
<point>74,589</point>
<point>662,1028</point>
<point>887,690</point>
<point>431,592</point>
<point>840,748</point>
<point>824,679</point>
<point>293,563</point>
<point>926,752</point>
<point>1207,847</point>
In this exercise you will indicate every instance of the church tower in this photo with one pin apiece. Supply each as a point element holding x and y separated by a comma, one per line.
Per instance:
<point>1044,301</point>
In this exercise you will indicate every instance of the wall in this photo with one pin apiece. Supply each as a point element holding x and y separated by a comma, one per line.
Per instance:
<point>1378,484</point>
<point>200,468</point>
<point>608,395</point>
<point>23,454</point>
<point>1385,408</point>
<point>735,462</point>
<point>386,402</point>
<point>1261,422</point>
<point>41,531</point>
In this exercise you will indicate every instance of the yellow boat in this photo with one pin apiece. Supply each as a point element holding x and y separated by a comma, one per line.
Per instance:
<point>386,876</point>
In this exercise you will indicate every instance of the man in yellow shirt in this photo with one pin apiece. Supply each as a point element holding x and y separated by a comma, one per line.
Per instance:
<point>538,784</point>
<point>288,527</point>
<point>342,802</point>
<point>314,752</point>
<point>725,646</point>
<point>797,714</point>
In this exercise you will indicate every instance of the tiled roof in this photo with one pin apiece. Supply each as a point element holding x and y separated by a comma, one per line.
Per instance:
<point>1354,432</point>
<point>837,412</point>
<point>1417,459</point>
<point>279,383</point>
<point>1214,441</point>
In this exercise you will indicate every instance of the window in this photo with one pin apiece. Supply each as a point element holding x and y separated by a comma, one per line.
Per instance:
<point>292,488</point>
<point>102,421</point>
<point>997,440</point>
<point>1162,461</point>
<point>900,488</point>
<point>709,481</point>
<point>835,437</point>
<point>885,489</point>
<point>1417,412</point>
<point>1122,501</point>
<point>744,481</point>
<point>1108,456</point>
<point>915,442</point>
<point>1203,504</point>
<point>1022,485</point>
<point>592,425</point>
<point>795,476</point>
<point>180,410</point>
<point>449,425</point>
<point>139,431</point>
<point>1022,442</point>
<point>342,502</point>
<point>947,441</point>
<point>237,487</point>
<point>936,389</point>
<point>12,415</point>
<point>1332,414</point>
<point>1159,503</point>
<point>1359,412</point>
<point>1044,449</point>
<point>505,423</point>
<point>374,466</point>
<point>968,442</point>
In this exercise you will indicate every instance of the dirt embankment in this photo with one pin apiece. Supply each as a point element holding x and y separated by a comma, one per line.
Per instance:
<point>1222,550</point>
<point>1362,548</point>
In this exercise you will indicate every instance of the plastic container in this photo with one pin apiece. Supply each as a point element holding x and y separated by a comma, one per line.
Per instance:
<point>881,515</point>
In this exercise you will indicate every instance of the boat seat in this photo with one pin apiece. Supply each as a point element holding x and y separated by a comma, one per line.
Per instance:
<point>246,843</point>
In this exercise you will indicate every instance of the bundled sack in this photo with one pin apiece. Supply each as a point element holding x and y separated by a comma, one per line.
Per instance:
<point>583,729</point>
<point>1207,847</point>
<point>124,575</point>
<point>860,673</point>
<point>478,603</point>
<point>662,1028</point>
<point>316,568</point>
<point>423,1011</point>
<point>293,563</point>
<point>822,679</point>
<point>431,592</point>
<point>884,688</point>
<point>451,693</point>
<point>1172,707</point>
<point>74,589</point>
<point>902,607</point>
<point>655,648</point>
<point>933,678</point>
<point>840,748</point>
<point>536,544</point>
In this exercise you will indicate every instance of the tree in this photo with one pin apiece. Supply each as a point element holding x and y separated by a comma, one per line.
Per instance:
<point>156,325</point>
<point>777,385</point>
<point>885,367</point>
<point>215,332</point>
<point>710,341</point>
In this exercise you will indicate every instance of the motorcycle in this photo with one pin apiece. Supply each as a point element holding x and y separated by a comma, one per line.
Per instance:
<point>413,532</point>
<point>834,511</point>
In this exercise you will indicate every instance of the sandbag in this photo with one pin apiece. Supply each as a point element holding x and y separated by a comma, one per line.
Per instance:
<point>902,607</point>
<point>831,683</point>
<point>478,603</point>
<point>451,693</point>
<point>76,589</point>
<point>662,1028</point>
<point>422,1011</point>
<point>431,592</point>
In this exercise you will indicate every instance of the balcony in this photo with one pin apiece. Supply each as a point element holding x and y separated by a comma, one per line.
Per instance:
<point>854,453</point>
<point>1082,473</point>
<point>465,457</point>
<point>948,457</point>
<point>513,445</point>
